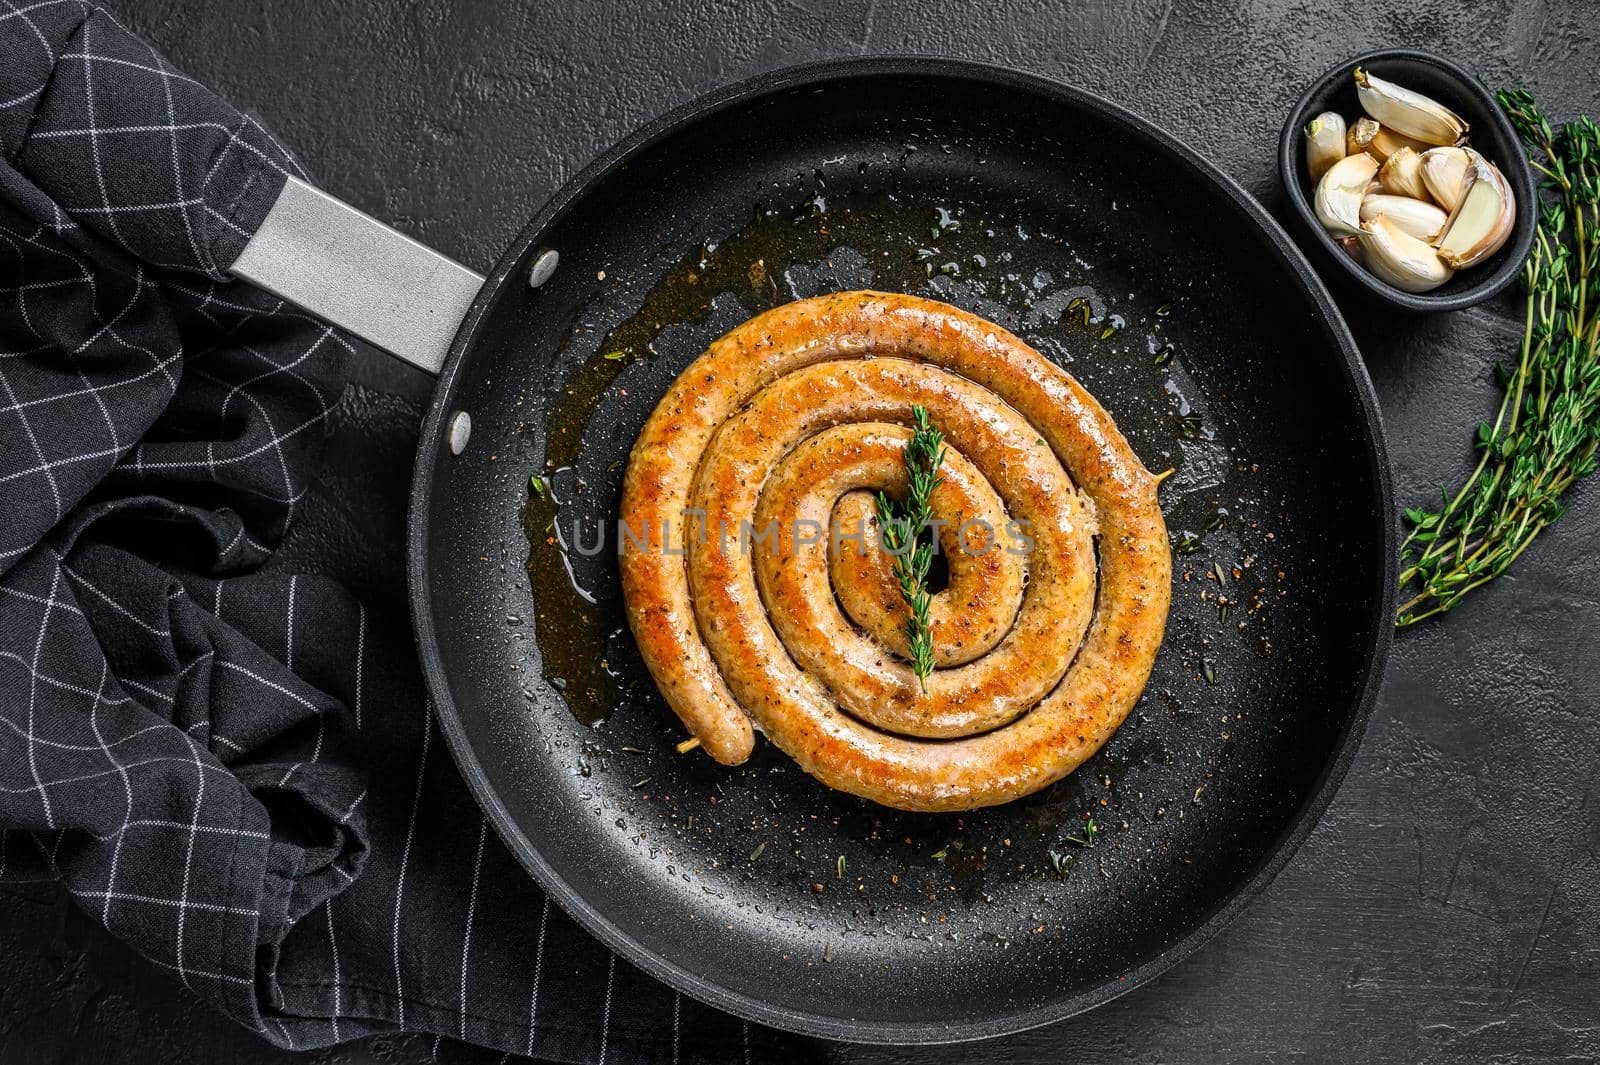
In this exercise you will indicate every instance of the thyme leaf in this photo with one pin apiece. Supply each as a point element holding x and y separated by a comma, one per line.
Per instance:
<point>900,528</point>
<point>1091,829</point>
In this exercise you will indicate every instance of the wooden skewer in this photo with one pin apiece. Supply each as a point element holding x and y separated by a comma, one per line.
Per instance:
<point>689,744</point>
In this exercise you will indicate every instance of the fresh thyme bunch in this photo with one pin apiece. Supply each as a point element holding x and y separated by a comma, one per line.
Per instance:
<point>1548,427</point>
<point>901,528</point>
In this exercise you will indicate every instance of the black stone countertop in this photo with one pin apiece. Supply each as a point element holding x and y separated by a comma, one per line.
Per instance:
<point>1446,909</point>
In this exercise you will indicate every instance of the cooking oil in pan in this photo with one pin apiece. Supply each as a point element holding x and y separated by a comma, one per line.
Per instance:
<point>1069,300</point>
<point>1120,345</point>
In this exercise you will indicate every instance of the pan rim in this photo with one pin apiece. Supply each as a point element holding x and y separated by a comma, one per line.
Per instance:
<point>699,986</point>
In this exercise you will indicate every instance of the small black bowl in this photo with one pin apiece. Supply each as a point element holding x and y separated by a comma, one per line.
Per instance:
<point>1490,133</point>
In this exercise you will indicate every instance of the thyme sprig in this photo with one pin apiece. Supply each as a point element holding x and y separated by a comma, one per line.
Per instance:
<point>901,527</point>
<point>1545,435</point>
<point>1091,829</point>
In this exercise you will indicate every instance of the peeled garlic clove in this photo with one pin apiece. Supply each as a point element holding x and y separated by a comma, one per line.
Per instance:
<point>1421,220</point>
<point>1338,198</point>
<point>1482,221</point>
<point>1400,259</point>
<point>1386,142</point>
<point>1444,172</point>
<point>1408,112</point>
<point>1360,135</point>
<point>1324,142</point>
<point>1401,175</point>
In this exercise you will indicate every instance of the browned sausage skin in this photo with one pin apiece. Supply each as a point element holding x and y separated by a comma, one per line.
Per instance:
<point>963,701</point>
<point>791,415</point>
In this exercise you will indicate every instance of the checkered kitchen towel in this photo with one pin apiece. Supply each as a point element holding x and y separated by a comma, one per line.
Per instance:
<point>226,757</point>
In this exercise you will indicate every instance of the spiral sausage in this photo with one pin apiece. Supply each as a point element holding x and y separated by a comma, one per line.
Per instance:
<point>789,422</point>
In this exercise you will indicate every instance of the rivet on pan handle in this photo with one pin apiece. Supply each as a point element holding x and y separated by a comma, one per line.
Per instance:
<point>350,269</point>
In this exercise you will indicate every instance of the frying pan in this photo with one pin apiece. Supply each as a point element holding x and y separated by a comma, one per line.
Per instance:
<point>754,888</point>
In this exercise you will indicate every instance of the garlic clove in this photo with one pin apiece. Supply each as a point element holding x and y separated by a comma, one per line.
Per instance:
<point>1386,142</point>
<point>1407,112</point>
<point>1351,246</point>
<point>1444,172</point>
<point>1359,135</point>
<point>1400,259</point>
<point>1338,197</point>
<point>1401,175</point>
<point>1324,142</point>
<point>1421,220</point>
<point>1482,221</point>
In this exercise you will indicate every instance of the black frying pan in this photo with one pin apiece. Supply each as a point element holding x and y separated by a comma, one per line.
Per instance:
<point>754,888</point>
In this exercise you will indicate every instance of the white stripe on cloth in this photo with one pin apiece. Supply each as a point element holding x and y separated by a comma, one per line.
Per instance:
<point>33,693</point>
<point>127,791</point>
<point>333,949</point>
<point>466,938</point>
<point>188,857</point>
<point>538,971</point>
<point>405,860</point>
<point>605,1017</point>
<point>361,654</point>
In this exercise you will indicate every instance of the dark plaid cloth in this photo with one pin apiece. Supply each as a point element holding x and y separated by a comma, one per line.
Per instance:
<point>224,756</point>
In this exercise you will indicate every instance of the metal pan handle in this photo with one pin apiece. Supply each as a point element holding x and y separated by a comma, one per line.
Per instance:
<point>350,269</point>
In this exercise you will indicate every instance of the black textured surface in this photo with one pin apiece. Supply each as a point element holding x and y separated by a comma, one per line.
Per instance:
<point>1445,909</point>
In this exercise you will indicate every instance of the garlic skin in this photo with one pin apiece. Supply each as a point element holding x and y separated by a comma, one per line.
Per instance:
<point>1421,220</point>
<point>1483,220</point>
<point>1360,135</point>
<point>1401,175</point>
<point>1386,142</point>
<point>1407,112</point>
<point>1444,172</point>
<point>1324,142</point>
<point>1400,259</point>
<point>1337,202</point>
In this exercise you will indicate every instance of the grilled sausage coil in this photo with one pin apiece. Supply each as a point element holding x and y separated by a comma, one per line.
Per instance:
<point>758,597</point>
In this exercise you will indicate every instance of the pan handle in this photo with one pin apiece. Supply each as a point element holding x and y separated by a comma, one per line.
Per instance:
<point>350,269</point>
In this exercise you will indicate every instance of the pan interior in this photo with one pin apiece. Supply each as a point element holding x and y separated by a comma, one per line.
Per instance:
<point>755,886</point>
